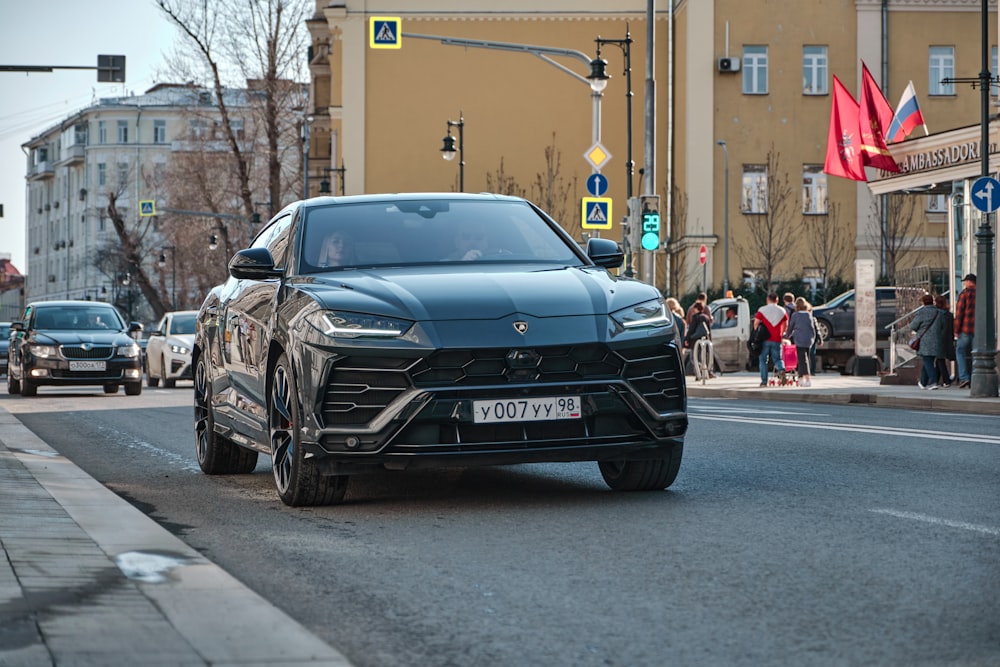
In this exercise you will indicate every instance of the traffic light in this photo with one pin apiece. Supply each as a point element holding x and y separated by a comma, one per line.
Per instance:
<point>111,69</point>
<point>649,210</point>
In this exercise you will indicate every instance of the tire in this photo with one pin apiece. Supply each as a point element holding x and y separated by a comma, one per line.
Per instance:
<point>13,386</point>
<point>297,479</point>
<point>151,381</point>
<point>28,388</point>
<point>823,329</point>
<point>133,388</point>
<point>648,475</point>
<point>216,455</point>
<point>169,383</point>
<point>111,388</point>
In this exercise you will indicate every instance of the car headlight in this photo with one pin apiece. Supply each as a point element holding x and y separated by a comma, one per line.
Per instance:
<point>649,315</point>
<point>179,349</point>
<point>43,351</point>
<point>340,324</point>
<point>130,351</point>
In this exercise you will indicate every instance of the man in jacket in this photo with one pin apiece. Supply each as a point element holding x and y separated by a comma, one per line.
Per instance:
<point>774,318</point>
<point>965,328</point>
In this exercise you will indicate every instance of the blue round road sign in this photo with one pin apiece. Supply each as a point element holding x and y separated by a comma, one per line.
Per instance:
<point>986,194</point>
<point>597,184</point>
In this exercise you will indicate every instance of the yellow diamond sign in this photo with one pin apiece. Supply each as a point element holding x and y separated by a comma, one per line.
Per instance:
<point>597,155</point>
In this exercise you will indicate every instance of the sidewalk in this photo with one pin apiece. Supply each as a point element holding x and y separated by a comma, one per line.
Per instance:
<point>832,387</point>
<point>87,579</point>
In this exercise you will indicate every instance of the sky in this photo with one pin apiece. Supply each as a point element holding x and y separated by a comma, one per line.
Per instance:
<point>64,32</point>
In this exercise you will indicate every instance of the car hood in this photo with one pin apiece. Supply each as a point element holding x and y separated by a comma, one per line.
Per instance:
<point>485,294</point>
<point>79,337</point>
<point>185,340</point>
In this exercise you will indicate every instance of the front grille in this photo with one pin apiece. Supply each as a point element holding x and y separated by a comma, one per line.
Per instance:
<point>359,388</point>
<point>78,352</point>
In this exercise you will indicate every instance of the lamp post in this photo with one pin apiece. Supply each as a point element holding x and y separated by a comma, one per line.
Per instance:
<point>324,185</point>
<point>725,219</point>
<point>598,81</point>
<point>173,272</point>
<point>213,238</point>
<point>448,148</point>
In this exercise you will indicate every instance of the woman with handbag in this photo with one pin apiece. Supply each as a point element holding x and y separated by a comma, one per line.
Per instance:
<point>928,326</point>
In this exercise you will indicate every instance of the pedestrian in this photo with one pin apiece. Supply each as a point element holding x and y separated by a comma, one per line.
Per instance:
<point>775,319</point>
<point>965,329</point>
<point>702,298</point>
<point>789,304</point>
<point>801,332</point>
<point>817,341</point>
<point>928,325</point>
<point>943,362</point>
<point>680,324</point>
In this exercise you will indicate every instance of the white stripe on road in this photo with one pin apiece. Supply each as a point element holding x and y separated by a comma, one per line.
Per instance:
<point>883,430</point>
<point>986,530</point>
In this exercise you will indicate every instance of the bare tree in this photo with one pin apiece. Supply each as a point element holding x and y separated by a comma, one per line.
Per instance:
<point>901,228</point>
<point>502,184</point>
<point>826,244</point>
<point>676,249</point>
<point>133,252</point>
<point>554,194</point>
<point>262,40</point>
<point>771,234</point>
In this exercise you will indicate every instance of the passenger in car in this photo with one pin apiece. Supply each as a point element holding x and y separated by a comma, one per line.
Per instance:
<point>470,243</point>
<point>337,250</point>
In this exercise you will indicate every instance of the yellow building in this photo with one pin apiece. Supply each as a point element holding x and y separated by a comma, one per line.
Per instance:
<point>755,75</point>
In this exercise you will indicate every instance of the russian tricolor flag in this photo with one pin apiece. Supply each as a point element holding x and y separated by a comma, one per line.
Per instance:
<point>907,117</point>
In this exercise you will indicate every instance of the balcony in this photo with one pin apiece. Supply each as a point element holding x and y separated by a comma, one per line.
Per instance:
<point>42,171</point>
<point>74,154</point>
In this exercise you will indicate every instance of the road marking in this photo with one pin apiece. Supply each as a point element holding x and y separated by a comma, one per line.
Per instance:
<point>729,410</point>
<point>883,430</point>
<point>986,530</point>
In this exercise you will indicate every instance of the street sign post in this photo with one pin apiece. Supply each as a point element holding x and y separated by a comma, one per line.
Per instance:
<point>596,213</point>
<point>385,32</point>
<point>986,194</point>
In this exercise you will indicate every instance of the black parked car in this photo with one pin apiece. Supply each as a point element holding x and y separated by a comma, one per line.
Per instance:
<point>835,318</point>
<point>4,345</point>
<point>419,330</point>
<point>74,343</point>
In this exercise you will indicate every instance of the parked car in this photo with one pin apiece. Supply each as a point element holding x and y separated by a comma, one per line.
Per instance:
<point>4,346</point>
<point>73,343</point>
<point>835,318</point>
<point>456,330</point>
<point>168,348</point>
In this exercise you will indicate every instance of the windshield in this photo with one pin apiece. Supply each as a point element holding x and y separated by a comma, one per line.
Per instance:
<point>78,318</point>
<point>182,324</point>
<point>396,233</point>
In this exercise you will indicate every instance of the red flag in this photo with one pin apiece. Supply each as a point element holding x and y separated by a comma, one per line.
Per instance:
<point>843,150</point>
<point>875,116</point>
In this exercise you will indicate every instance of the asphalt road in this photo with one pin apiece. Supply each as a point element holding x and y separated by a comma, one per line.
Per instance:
<point>795,534</point>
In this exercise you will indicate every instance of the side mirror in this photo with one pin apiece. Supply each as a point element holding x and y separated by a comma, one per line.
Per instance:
<point>253,264</point>
<point>17,326</point>
<point>605,253</point>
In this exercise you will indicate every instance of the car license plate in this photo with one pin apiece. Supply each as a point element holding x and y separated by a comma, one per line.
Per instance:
<point>526,409</point>
<point>88,365</point>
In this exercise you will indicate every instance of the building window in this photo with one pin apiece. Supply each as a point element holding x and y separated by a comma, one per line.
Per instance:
<point>197,128</point>
<point>754,196</point>
<point>814,192</point>
<point>123,131</point>
<point>122,173</point>
<point>942,66</point>
<point>159,131</point>
<point>102,173</point>
<point>754,70</point>
<point>814,70</point>
<point>102,132</point>
<point>936,204</point>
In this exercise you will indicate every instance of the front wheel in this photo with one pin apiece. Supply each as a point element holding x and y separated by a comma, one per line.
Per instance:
<point>645,475</point>
<point>133,388</point>
<point>13,386</point>
<point>297,478</point>
<point>28,388</point>
<point>111,388</point>
<point>823,329</point>
<point>216,455</point>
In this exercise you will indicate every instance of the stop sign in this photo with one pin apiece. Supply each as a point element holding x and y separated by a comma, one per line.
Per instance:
<point>702,254</point>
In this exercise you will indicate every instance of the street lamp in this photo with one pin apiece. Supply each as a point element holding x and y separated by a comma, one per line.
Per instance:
<point>448,148</point>
<point>725,233</point>
<point>324,185</point>
<point>213,238</point>
<point>598,78</point>
<point>173,272</point>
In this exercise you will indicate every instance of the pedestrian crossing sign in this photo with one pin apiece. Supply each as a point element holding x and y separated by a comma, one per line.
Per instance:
<point>385,32</point>
<point>147,207</point>
<point>596,213</point>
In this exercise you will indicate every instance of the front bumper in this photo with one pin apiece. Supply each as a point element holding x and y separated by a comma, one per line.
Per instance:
<point>57,372</point>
